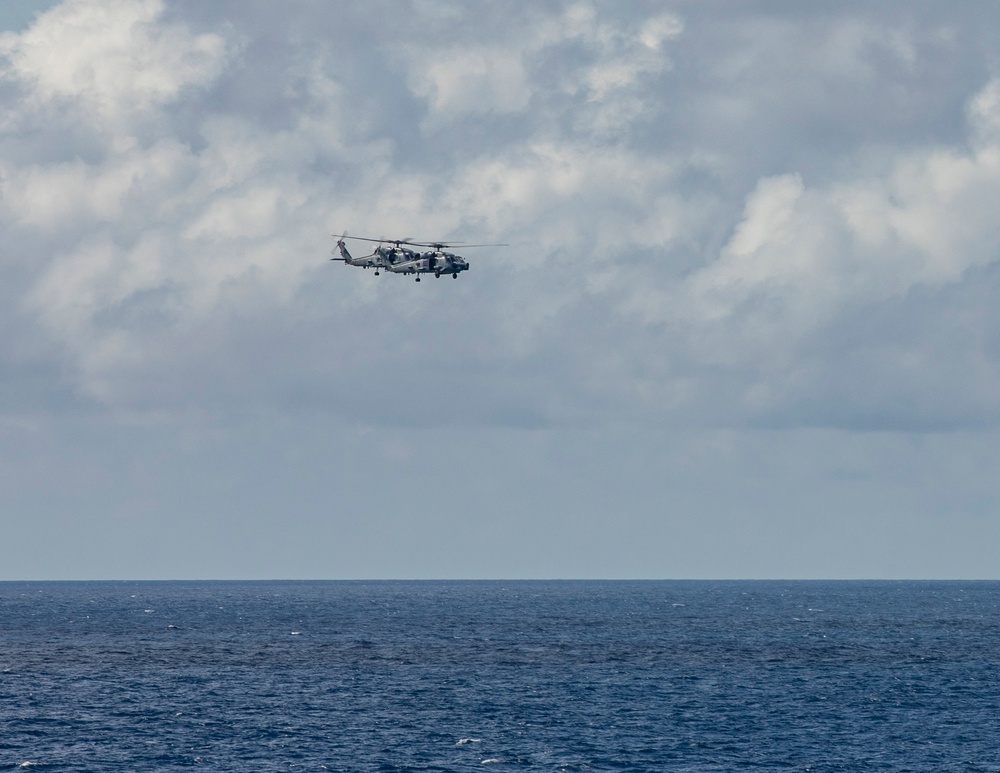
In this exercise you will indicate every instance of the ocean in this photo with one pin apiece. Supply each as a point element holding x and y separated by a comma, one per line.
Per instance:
<point>492,675</point>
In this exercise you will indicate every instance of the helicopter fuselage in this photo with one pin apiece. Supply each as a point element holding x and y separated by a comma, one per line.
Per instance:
<point>393,256</point>
<point>436,263</point>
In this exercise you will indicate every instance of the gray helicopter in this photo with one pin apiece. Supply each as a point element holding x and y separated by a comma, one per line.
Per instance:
<point>391,255</point>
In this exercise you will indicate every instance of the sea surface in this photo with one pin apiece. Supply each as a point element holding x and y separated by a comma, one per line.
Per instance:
<point>495,676</point>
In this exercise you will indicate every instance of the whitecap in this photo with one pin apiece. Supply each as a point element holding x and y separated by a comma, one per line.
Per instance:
<point>490,761</point>
<point>463,741</point>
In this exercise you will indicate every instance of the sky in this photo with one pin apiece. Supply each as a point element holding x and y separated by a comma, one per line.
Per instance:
<point>746,325</point>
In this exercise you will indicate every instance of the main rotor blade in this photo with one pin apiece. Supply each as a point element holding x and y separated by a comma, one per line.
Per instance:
<point>364,238</point>
<point>409,240</point>
<point>459,245</point>
<point>383,240</point>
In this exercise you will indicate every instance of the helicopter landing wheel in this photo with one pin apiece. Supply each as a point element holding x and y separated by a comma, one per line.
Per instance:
<point>454,276</point>
<point>376,273</point>
<point>437,274</point>
<point>417,279</point>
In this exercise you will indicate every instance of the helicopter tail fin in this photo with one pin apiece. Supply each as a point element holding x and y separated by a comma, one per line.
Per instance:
<point>344,254</point>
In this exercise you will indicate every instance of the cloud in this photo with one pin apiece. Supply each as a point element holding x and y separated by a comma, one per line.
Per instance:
<point>110,58</point>
<point>473,81</point>
<point>648,275</point>
<point>804,262</point>
<point>752,258</point>
<point>526,72</point>
<point>927,221</point>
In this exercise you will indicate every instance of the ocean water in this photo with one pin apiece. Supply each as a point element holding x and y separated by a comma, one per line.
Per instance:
<point>527,676</point>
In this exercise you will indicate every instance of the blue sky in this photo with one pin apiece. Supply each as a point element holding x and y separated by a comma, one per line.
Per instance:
<point>746,325</point>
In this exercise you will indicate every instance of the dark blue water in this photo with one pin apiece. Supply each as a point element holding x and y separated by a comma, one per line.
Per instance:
<point>547,676</point>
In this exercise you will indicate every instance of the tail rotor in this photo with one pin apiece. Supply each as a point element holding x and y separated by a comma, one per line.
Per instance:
<point>339,246</point>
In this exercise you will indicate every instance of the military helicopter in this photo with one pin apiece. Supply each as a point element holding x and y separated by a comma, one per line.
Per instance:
<point>391,255</point>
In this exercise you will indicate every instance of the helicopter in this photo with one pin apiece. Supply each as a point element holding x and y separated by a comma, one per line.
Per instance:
<point>391,255</point>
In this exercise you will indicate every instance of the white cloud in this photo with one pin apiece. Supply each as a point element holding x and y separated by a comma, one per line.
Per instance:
<point>171,238</point>
<point>111,58</point>
<point>486,77</point>
<point>801,257</point>
<point>658,30</point>
<point>65,193</point>
<point>781,219</point>
<point>474,80</point>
